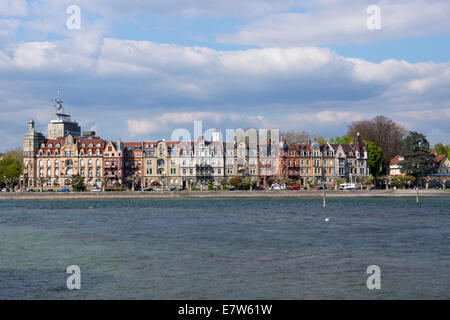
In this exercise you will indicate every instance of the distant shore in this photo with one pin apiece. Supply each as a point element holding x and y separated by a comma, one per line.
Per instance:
<point>217,194</point>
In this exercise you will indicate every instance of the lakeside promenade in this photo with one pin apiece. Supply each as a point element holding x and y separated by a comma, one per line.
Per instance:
<point>218,194</point>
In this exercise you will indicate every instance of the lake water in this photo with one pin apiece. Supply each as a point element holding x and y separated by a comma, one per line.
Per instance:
<point>225,248</point>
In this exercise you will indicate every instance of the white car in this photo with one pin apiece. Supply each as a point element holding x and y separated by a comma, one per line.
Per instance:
<point>275,186</point>
<point>347,186</point>
<point>96,190</point>
<point>5,190</point>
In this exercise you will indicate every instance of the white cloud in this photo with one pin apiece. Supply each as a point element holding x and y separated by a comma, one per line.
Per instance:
<point>158,86</point>
<point>344,22</point>
<point>13,8</point>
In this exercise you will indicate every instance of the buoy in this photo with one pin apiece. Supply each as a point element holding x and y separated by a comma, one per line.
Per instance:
<point>327,219</point>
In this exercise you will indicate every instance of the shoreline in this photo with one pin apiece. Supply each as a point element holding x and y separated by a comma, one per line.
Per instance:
<point>216,194</point>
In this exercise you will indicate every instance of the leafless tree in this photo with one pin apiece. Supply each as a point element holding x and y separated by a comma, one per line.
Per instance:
<point>384,132</point>
<point>296,136</point>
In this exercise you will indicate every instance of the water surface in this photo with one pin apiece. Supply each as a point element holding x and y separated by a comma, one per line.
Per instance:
<point>225,248</point>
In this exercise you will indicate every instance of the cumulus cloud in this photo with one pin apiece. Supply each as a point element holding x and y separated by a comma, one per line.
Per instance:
<point>338,22</point>
<point>133,88</point>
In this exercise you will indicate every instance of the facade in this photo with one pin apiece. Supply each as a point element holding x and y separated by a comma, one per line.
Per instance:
<point>443,168</point>
<point>395,168</point>
<point>53,162</point>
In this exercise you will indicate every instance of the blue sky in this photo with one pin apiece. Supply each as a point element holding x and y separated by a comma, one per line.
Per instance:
<point>140,69</point>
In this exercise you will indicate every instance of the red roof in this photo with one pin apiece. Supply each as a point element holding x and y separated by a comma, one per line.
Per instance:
<point>395,160</point>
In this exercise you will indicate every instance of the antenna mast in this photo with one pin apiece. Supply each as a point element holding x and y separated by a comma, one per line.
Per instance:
<point>59,107</point>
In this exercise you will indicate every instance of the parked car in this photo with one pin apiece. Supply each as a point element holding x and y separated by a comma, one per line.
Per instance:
<point>148,189</point>
<point>283,186</point>
<point>96,190</point>
<point>173,189</point>
<point>64,190</point>
<point>347,186</point>
<point>5,190</point>
<point>275,186</point>
<point>295,187</point>
<point>258,188</point>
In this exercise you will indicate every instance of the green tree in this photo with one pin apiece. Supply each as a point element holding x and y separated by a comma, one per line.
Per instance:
<point>403,181</point>
<point>418,160</point>
<point>9,168</point>
<point>375,160</point>
<point>346,139</point>
<point>77,183</point>
<point>321,140</point>
<point>439,148</point>
<point>235,182</point>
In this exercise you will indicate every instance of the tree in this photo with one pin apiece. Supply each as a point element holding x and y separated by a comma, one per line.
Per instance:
<point>292,136</point>
<point>77,183</point>
<point>418,160</point>
<point>375,160</point>
<point>387,180</point>
<point>384,132</point>
<point>9,168</point>
<point>321,140</point>
<point>439,148</point>
<point>443,181</point>
<point>346,139</point>
<point>235,182</point>
<point>133,181</point>
<point>15,154</point>
<point>403,181</point>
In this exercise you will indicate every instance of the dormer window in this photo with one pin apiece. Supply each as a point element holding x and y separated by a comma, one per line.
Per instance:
<point>42,145</point>
<point>50,145</point>
<point>91,145</point>
<point>83,144</point>
<point>58,145</point>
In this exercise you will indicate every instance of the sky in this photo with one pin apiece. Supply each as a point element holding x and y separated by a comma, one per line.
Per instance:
<point>137,70</point>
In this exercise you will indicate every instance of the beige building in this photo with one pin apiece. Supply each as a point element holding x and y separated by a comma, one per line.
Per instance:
<point>161,165</point>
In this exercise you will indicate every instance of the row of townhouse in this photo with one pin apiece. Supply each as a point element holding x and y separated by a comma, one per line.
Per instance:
<point>52,163</point>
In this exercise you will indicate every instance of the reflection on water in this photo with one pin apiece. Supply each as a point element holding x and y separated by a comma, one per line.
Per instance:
<point>225,248</point>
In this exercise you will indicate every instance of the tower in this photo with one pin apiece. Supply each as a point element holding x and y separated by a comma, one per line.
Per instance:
<point>31,143</point>
<point>62,126</point>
